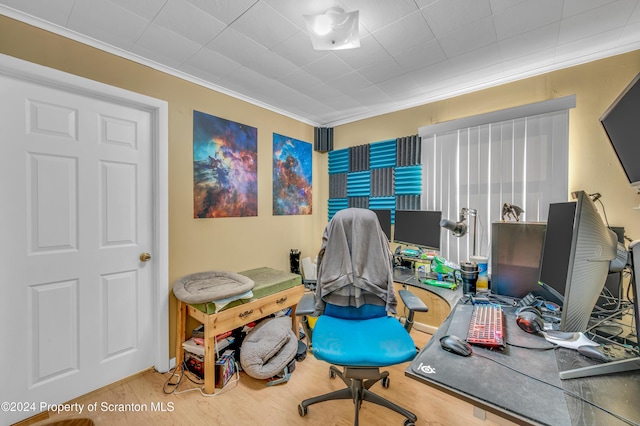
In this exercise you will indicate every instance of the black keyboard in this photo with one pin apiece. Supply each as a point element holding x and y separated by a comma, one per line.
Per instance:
<point>486,326</point>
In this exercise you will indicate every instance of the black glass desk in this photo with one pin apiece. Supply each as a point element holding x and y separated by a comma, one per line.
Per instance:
<point>523,385</point>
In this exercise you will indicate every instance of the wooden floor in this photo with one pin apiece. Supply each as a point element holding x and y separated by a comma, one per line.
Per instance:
<point>249,402</point>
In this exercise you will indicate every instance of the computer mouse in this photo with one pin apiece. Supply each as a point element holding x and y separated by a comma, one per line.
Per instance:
<point>455,345</point>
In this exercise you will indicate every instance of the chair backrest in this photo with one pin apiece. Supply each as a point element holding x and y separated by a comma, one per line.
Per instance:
<point>353,313</point>
<point>354,265</point>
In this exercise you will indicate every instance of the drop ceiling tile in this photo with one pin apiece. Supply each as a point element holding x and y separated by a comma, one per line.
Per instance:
<point>299,79</point>
<point>400,89</point>
<point>341,103</point>
<point>185,19</point>
<point>249,82</point>
<point>420,56</point>
<point>107,22</point>
<point>348,82</point>
<point>586,46</point>
<point>328,67</point>
<point>148,9</point>
<point>382,71</point>
<point>55,12</point>
<point>307,107</point>
<point>164,46</point>
<point>264,25</point>
<point>223,10</point>
<point>526,16</point>
<point>211,63</point>
<point>635,16</point>
<point>208,78</point>
<point>322,92</point>
<point>594,21</point>
<point>404,34</point>
<point>370,52</point>
<point>447,16</point>
<point>498,5</point>
<point>423,3</point>
<point>298,50</point>
<point>384,13</point>
<point>242,49</point>
<point>269,64</point>
<point>294,10</point>
<point>372,96</point>
<point>540,39</point>
<point>629,38</point>
<point>473,36</point>
<point>531,64</point>
<point>576,7</point>
<point>477,59</point>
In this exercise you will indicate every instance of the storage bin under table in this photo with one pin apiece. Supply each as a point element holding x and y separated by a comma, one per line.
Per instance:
<point>273,291</point>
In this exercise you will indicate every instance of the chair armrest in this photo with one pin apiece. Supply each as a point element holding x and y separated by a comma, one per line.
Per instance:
<point>306,305</point>
<point>412,302</point>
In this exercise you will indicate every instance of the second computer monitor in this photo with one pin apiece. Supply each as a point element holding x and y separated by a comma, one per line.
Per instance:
<point>577,251</point>
<point>384,218</point>
<point>419,228</point>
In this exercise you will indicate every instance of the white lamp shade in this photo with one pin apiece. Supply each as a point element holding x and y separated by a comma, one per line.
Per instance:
<point>333,30</point>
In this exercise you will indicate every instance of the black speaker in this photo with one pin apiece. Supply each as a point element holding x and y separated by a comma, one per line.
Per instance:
<point>323,139</point>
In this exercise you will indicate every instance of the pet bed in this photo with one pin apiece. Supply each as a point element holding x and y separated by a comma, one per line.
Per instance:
<point>203,287</point>
<point>268,348</point>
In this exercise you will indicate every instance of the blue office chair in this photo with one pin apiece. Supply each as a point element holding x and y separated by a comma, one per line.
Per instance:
<point>353,300</point>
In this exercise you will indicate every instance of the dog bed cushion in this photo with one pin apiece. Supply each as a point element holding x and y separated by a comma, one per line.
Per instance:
<point>268,348</point>
<point>203,287</point>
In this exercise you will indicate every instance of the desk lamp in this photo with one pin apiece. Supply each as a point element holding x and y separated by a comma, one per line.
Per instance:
<point>459,228</point>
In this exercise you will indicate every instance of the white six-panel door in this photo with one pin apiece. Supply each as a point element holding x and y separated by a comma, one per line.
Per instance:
<point>76,214</point>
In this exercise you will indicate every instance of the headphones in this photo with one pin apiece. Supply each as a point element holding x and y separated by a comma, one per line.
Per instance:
<point>529,318</point>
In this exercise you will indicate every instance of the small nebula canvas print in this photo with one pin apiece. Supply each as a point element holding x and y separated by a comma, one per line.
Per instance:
<point>225,167</point>
<point>291,176</point>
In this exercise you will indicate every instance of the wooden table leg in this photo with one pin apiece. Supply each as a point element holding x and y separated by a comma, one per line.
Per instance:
<point>209,359</point>
<point>180,332</point>
<point>295,322</point>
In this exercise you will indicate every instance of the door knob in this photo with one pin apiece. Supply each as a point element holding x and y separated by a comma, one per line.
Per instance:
<point>145,257</point>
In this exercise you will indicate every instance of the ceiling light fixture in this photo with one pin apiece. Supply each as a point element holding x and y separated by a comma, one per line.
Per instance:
<point>335,29</point>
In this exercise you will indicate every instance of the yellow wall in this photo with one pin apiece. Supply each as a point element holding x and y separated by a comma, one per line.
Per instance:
<point>241,243</point>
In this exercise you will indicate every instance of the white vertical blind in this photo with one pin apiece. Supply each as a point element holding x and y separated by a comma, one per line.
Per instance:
<point>520,160</point>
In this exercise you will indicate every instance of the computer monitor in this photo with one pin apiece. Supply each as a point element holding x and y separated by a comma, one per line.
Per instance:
<point>419,228</point>
<point>516,248</point>
<point>577,252</point>
<point>384,217</point>
<point>620,121</point>
<point>624,365</point>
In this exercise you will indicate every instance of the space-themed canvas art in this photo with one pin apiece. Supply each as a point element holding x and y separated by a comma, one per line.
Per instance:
<point>291,176</point>
<point>225,167</point>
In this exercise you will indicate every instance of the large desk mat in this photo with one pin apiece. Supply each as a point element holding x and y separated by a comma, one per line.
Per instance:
<point>523,384</point>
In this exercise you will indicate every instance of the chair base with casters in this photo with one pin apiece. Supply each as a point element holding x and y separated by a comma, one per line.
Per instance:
<point>358,381</point>
<point>361,346</point>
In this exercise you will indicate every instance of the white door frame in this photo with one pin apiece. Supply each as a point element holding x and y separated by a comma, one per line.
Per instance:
<point>158,109</point>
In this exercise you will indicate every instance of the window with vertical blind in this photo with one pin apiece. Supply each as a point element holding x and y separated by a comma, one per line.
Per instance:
<point>517,156</point>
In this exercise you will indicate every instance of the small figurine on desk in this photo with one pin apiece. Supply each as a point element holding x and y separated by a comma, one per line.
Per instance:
<point>511,210</point>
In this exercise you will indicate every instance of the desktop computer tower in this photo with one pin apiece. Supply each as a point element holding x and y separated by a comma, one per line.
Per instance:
<point>516,248</point>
